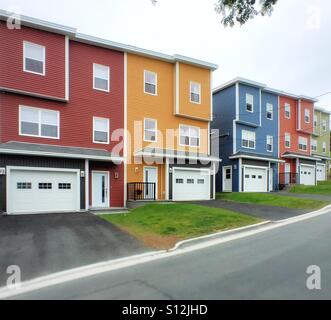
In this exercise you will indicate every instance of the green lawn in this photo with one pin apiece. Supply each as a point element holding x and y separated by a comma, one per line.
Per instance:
<point>162,225</point>
<point>323,187</point>
<point>272,200</point>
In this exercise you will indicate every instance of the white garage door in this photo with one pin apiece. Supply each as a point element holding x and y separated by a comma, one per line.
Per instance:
<point>33,191</point>
<point>307,175</point>
<point>191,185</point>
<point>255,179</point>
<point>320,172</point>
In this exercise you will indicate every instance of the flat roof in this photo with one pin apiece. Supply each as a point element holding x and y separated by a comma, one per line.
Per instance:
<point>100,42</point>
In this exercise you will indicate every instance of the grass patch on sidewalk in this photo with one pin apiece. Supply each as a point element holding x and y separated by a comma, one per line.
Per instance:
<point>161,226</point>
<point>272,199</point>
<point>323,187</point>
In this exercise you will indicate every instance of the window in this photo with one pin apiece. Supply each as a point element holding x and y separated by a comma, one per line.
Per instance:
<point>270,111</point>
<point>195,92</point>
<point>189,136</point>
<point>324,125</point>
<point>315,121</point>
<point>324,147</point>
<point>190,181</point>
<point>150,82</point>
<point>179,181</point>
<point>100,130</point>
<point>64,186</point>
<point>287,111</point>
<point>24,185</point>
<point>248,139</point>
<point>150,130</point>
<point>249,103</point>
<point>39,122</point>
<point>260,177</point>
<point>100,77</point>
<point>228,174</point>
<point>45,185</point>
<point>201,181</point>
<point>313,145</point>
<point>287,140</point>
<point>302,144</point>
<point>34,58</point>
<point>307,115</point>
<point>270,143</point>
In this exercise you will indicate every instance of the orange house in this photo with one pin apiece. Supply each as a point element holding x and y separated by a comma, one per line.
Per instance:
<point>168,114</point>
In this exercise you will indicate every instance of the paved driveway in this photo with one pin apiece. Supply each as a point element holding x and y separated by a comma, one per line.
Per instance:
<point>260,211</point>
<point>43,244</point>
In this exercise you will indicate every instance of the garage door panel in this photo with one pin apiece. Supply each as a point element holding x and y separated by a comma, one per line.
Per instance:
<point>42,191</point>
<point>255,179</point>
<point>307,175</point>
<point>191,185</point>
<point>320,172</point>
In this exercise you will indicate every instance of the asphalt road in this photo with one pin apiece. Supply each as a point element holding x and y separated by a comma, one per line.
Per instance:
<point>269,265</point>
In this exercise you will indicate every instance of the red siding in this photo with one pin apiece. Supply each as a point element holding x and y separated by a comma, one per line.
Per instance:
<point>306,127</point>
<point>11,61</point>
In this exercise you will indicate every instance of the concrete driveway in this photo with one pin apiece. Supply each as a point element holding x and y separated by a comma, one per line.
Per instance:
<point>43,244</point>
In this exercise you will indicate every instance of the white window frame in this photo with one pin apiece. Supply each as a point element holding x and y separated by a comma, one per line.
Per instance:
<point>108,75</point>
<point>315,121</point>
<point>247,96</point>
<point>156,137</point>
<point>324,126</point>
<point>271,112</point>
<point>287,105</point>
<point>287,135</point>
<point>25,43</point>
<point>272,143</point>
<point>242,139</point>
<point>307,115</point>
<point>313,143</point>
<point>189,127</point>
<point>199,86</point>
<point>155,74</point>
<point>40,110</point>
<point>108,134</point>
<point>306,144</point>
<point>324,147</point>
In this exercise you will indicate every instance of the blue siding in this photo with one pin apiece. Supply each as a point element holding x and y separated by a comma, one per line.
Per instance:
<point>244,115</point>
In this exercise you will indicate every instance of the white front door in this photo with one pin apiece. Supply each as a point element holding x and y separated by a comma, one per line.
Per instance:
<point>150,176</point>
<point>191,184</point>
<point>320,172</point>
<point>227,179</point>
<point>307,175</point>
<point>255,179</point>
<point>287,173</point>
<point>100,189</point>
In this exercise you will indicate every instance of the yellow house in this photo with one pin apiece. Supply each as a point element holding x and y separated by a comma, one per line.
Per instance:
<point>168,115</point>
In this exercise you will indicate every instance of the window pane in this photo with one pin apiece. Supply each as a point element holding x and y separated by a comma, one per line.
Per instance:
<point>195,88</point>
<point>150,124</point>
<point>49,118</point>
<point>194,132</point>
<point>100,136</point>
<point>48,131</point>
<point>30,128</point>
<point>29,115</point>
<point>34,51</point>
<point>34,65</point>
<point>150,135</point>
<point>101,84</point>
<point>150,88</point>
<point>195,142</point>
<point>150,77</point>
<point>195,97</point>
<point>101,72</point>
<point>101,125</point>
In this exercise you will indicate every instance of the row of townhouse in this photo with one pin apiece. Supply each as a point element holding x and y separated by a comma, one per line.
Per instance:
<point>269,138</point>
<point>87,123</point>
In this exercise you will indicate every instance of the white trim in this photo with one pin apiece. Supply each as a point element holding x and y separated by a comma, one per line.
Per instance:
<point>161,155</point>
<point>270,187</point>
<point>167,179</point>
<point>306,139</point>
<point>189,145</point>
<point>306,109</point>
<point>177,88</point>
<point>67,68</point>
<point>199,86</point>
<point>287,105</point>
<point>278,126</point>
<point>208,140</point>
<point>297,156</point>
<point>155,74</point>
<point>157,179</point>
<point>43,169</point>
<point>242,139</point>
<point>156,130</point>
<point>237,81</point>
<point>211,97</point>
<point>44,57</point>
<point>214,181</point>
<point>108,74</point>
<point>108,124</point>
<point>242,156</point>
<point>287,134</point>
<point>299,115</point>
<point>237,102</point>
<point>272,144</point>
<point>260,92</point>
<point>108,189</point>
<point>20,107</point>
<point>125,147</point>
<point>272,112</point>
<point>234,133</point>
<point>87,184</point>
<point>224,178</point>
<point>240,175</point>
<point>246,101</point>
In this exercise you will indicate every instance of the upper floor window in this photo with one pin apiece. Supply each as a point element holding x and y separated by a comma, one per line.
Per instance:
<point>324,125</point>
<point>315,121</point>
<point>270,111</point>
<point>34,58</point>
<point>249,102</point>
<point>150,82</point>
<point>248,139</point>
<point>270,143</point>
<point>287,111</point>
<point>100,130</point>
<point>303,143</point>
<point>150,130</point>
<point>324,147</point>
<point>287,140</point>
<point>313,145</point>
<point>307,115</point>
<point>100,77</point>
<point>189,136</point>
<point>39,122</point>
<point>195,92</point>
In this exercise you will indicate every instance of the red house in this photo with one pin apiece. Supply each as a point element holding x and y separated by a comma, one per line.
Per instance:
<point>61,99</point>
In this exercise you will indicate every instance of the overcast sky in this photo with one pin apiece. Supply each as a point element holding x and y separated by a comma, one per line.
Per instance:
<point>291,50</point>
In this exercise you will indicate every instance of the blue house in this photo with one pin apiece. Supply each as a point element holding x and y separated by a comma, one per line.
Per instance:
<point>246,115</point>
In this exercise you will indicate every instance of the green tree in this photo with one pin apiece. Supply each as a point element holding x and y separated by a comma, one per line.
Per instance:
<point>240,11</point>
